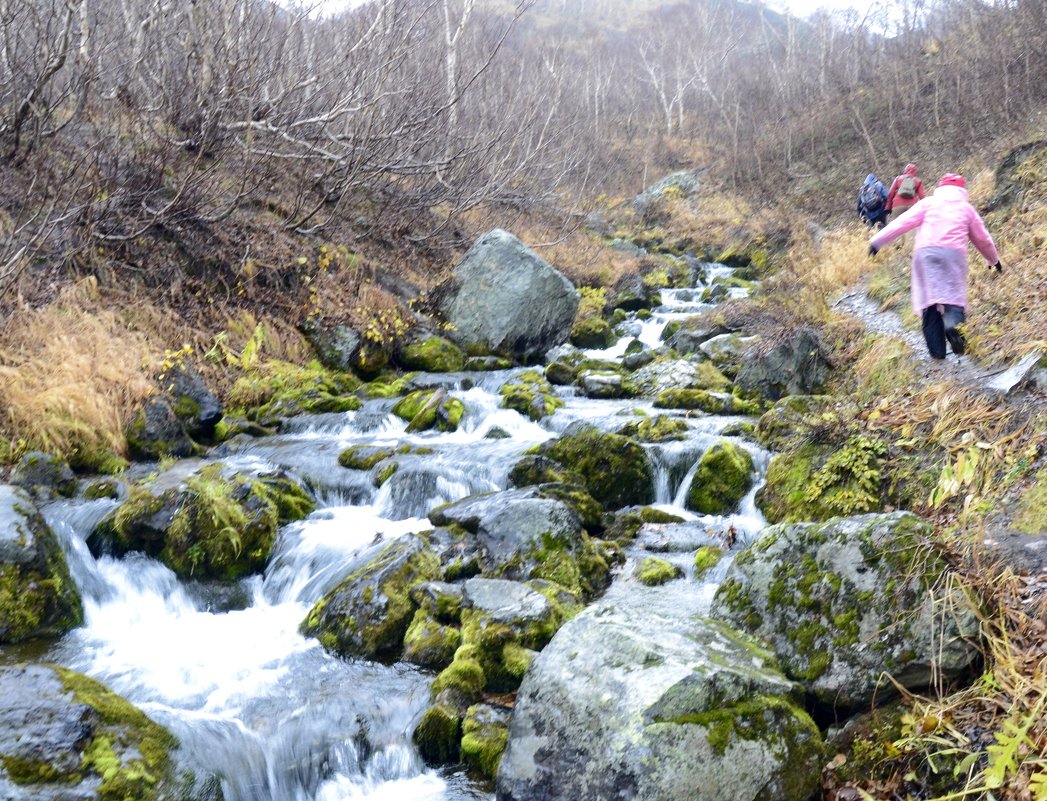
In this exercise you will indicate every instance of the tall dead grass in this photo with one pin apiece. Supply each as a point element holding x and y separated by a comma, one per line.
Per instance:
<point>71,376</point>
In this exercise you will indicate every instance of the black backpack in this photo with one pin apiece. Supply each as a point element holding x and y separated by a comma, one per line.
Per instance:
<point>870,198</point>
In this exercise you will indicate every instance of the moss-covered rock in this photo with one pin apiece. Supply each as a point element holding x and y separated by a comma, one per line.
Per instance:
<point>37,595</point>
<point>660,428</point>
<point>533,469</point>
<point>213,526</point>
<point>364,457</point>
<point>486,364</point>
<point>430,643</point>
<point>818,481</point>
<point>845,604</point>
<point>156,432</point>
<point>274,390</point>
<point>439,734</point>
<point>723,477</point>
<point>426,409</point>
<point>431,354</point>
<point>530,395</point>
<point>594,333</point>
<point>616,469</point>
<point>485,732</point>
<point>706,558</point>
<point>709,402</point>
<point>368,614</point>
<point>44,476</point>
<point>653,571</point>
<point>64,735</point>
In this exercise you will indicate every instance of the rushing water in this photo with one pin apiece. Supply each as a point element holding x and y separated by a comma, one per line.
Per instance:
<point>269,710</point>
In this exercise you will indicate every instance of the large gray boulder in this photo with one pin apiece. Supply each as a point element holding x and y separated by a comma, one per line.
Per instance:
<point>628,704</point>
<point>846,603</point>
<point>504,298</point>
<point>797,365</point>
<point>682,183</point>
<point>37,594</point>
<point>64,736</point>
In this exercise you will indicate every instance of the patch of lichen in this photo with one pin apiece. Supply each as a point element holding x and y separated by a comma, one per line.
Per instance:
<point>616,469</point>
<point>129,752</point>
<point>653,571</point>
<point>530,395</point>
<point>273,390</point>
<point>723,476</point>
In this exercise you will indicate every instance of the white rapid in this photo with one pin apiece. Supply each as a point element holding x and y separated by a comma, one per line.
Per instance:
<point>268,710</point>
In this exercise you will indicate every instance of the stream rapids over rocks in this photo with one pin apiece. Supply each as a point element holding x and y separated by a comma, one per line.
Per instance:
<point>267,709</point>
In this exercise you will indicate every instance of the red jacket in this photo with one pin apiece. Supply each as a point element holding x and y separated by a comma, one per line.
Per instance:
<point>900,204</point>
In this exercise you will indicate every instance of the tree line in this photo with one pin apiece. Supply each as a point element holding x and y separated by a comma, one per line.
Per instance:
<point>120,118</point>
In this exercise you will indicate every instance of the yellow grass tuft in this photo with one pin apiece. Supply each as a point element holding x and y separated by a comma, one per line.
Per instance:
<point>69,379</point>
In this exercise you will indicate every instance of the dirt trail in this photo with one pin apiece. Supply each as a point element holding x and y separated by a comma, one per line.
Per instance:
<point>1024,553</point>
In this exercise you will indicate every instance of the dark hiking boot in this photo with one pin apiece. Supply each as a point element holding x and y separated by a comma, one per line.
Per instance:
<point>956,341</point>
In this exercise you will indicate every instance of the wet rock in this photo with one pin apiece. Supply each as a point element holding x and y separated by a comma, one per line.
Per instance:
<point>616,469</point>
<point>336,345</point>
<point>624,703</point>
<point>44,476</point>
<point>485,731</point>
<point>665,375</point>
<point>157,432</point>
<point>846,603</point>
<point>505,299</point>
<point>431,354</point>
<point>64,736</point>
<point>593,333</point>
<point>690,340</point>
<point>660,428</point>
<point>426,409</point>
<point>486,364</point>
<point>726,351</point>
<point>275,390</point>
<point>37,595</point>
<point>702,400</point>
<point>603,385</point>
<point>634,361</point>
<point>530,395</point>
<point>675,537</point>
<point>723,477</point>
<point>192,402</point>
<point>368,614</point>
<point>797,365</point>
<point>653,571</point>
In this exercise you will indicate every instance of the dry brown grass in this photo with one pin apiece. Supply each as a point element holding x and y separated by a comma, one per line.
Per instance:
<point>72,374</point>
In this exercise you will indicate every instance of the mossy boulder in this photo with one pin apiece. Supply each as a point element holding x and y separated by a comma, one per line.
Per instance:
<point>64,735</point>
<point>677,374</point>
<point>533,469</point>
<point>37,595</point>
<point>723,477</point>
<point>702,400</point>
<point>428,409</point>
<point>847,603</point>
<point>593,333</point>
<point>625,699</point>
<point>604,384</point>
<point>530,395</point>
<point>192,402</point>
<point>660,428</point>
<point>431,354</point>
<point>486,364</point>
<point>438,734</point>
<point>274,390</point>
<point>653,571</point>
<point>369,612</point>
<point>797,364</point>
<point>792,418</point>
<point>625,525</point>
<point>364,457</point>
<point>616,469</point>
<point>430,643</point>
<point>485,732</point>
<point>727,351</point>
<point>213,525</point>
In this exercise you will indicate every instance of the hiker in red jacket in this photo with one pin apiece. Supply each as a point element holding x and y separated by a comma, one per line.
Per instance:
<point>906,191</point>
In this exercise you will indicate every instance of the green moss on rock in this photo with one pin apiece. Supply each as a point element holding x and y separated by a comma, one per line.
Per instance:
<point>706,558</point>
<point>593,332</point>
<point>653,571</point>
<point>427,409</point>
<point>616,469</point>
<point>530,395</point>
<point>364,457</point>
<point>660,428</point>
<point>279,389</point>
<point>430,643</point>
<point>703,400</point>
<point>432,354</point>
<point>438,734</point>
<point>723,477</point>
<point>485,735</point>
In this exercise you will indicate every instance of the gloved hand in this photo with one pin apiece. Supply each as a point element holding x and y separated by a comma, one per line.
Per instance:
<point>873,250</point>
<point>998,267</point>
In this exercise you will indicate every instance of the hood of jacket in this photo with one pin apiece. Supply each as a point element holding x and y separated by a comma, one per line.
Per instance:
<point>869,179</point>
<point>910,169</point>
<point>951,193</point>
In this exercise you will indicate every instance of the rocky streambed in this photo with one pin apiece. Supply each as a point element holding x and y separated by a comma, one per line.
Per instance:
<point>532,579</point>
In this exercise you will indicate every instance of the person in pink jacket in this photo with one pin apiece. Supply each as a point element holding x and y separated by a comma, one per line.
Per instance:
<point>945,221</point>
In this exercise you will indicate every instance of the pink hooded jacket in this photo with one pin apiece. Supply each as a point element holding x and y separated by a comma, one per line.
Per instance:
<point>945,220</point>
